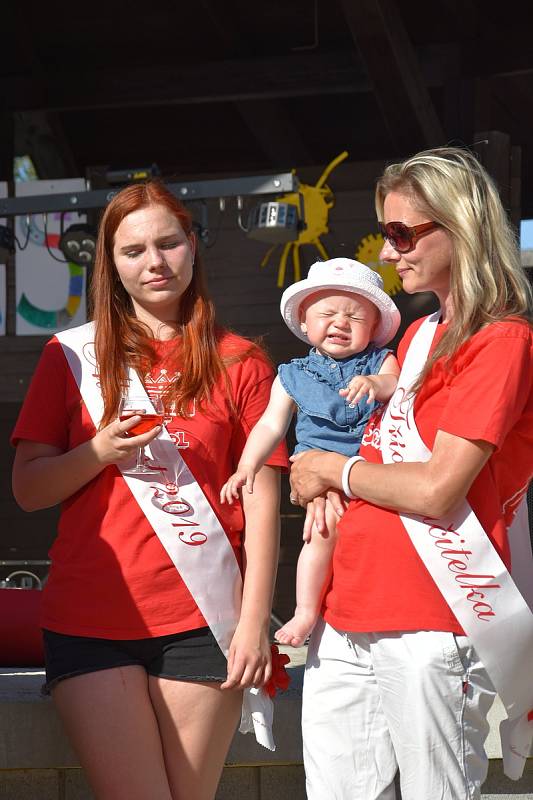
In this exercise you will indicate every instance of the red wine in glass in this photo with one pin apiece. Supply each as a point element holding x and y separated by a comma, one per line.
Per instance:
<point>147,422</point>
<point>151,411</point>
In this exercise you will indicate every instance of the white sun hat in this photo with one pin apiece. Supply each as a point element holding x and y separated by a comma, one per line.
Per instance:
<point>347,275</point>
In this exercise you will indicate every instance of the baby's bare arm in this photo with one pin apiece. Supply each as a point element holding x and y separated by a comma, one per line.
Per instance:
<point>264,437</point>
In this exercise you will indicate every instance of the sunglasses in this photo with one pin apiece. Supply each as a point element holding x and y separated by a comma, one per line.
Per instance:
<point>403,238</point>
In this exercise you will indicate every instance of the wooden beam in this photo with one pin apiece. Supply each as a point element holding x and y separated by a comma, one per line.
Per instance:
<point>515,194</point>
<point>500,52</point>
<point>266,120</point>
<point>7,150</point>
<point>281,142</point>
<point>395,74</point>
<point>503,163</point>
<point>513,100</point>
<point>297,75</point>
<point>41,136</point>
<point>302,74</point>
<point>307,74</point>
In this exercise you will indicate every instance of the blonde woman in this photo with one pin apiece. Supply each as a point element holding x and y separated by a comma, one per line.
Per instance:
<point>401,672</point>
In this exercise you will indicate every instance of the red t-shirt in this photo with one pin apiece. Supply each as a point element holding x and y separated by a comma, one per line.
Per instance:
<point>379,581</point>
<point>110,576</point>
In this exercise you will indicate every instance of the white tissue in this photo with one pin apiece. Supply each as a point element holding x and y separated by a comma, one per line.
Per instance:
<point>257,716</point>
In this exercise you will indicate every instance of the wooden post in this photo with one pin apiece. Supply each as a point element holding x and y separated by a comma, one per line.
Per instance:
<point>516,187</point>
<point>503,162</point>
<point>7,152</point>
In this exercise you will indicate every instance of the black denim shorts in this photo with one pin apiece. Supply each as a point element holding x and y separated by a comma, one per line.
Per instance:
<point>187,656</point>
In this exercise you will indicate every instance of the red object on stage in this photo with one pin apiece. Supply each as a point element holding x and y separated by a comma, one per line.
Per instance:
<point>21,643</point>
<point>280,677</point>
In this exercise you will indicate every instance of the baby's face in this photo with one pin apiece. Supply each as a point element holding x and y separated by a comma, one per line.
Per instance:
<point>339,324</point>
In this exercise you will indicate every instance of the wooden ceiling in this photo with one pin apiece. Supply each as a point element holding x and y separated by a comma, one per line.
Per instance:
<point>238,87</point>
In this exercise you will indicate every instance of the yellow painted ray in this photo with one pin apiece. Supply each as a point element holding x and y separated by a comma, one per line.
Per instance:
<point>367,252</point>
<point>316,202</point>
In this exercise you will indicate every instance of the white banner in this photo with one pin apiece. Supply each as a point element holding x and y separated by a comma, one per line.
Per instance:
<point>3,304</point>
<point>468,571</point>
<point>185,524</point>
<point>3,293</point>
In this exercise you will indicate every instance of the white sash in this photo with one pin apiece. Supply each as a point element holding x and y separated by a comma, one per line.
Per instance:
<point>186,525</point>
<point>468,571</point>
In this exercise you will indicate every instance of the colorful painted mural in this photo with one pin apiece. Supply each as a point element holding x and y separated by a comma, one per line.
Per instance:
<point>51,292</point>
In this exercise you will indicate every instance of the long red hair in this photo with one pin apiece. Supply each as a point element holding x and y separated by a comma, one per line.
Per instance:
<point>122,341</point>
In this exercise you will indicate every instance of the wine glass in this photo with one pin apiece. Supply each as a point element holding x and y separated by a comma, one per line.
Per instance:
<point>143,406</point>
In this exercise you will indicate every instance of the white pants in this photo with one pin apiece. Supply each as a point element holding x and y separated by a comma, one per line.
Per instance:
<point>373,703</point>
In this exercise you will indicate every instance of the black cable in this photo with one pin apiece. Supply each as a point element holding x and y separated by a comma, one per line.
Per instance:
<point>28,231</point>
<point>61,260</point>
<point>213,234</point>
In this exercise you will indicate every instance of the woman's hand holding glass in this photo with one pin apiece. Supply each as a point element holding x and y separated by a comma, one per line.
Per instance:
<point>140,421</point>
<point>115,443</point>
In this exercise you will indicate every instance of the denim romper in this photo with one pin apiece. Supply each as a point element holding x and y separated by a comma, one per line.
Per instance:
<point>324,419</point>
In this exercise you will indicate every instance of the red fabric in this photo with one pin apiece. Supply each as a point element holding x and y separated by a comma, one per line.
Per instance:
<point>379,582</point>
<point>110,576</point>
<point>280,678</point>
<point>21,641</point>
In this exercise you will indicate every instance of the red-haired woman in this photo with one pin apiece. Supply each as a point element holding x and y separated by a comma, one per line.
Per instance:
<point>143,601</point>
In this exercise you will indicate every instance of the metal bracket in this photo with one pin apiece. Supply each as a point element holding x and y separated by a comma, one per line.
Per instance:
<point>193,190</point>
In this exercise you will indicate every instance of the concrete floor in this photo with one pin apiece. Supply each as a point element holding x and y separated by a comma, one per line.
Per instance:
<point>37,763</point>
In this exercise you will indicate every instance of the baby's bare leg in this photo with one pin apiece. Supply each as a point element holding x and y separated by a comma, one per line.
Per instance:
<point>312,578</point>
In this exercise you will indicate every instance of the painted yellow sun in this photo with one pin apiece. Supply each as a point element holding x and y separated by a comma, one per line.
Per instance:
<point>316,202</point>
<point>367,252</point>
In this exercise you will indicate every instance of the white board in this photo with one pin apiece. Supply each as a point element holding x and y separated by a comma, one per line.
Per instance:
<point>3,193</point>
<point>50,294</point>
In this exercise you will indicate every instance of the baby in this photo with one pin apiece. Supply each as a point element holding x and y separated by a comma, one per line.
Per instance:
<point>343,312</point>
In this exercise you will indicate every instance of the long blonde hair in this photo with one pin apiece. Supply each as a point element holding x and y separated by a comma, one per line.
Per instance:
<point>487,281</point>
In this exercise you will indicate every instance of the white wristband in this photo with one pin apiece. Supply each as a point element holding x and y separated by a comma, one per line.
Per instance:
<point>346,476</point>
